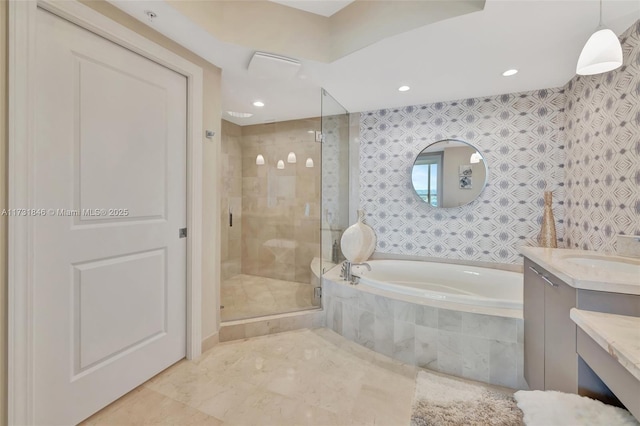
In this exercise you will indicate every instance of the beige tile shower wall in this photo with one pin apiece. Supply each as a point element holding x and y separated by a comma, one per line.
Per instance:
<point>280,208</point>
<point>231,200</point>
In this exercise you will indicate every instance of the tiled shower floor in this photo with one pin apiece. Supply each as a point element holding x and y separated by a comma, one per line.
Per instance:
<point>249,296</point>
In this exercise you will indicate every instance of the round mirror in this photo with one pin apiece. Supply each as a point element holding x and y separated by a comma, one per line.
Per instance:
<point>449,173</point>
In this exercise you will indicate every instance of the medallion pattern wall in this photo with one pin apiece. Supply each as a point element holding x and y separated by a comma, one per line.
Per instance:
<point>603,152</point>
<point>520,137</point>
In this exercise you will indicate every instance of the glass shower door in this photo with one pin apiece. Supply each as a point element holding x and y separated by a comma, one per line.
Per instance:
<point>335,180</point>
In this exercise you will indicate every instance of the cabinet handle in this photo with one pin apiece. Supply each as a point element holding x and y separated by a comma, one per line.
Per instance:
<point>547,280</point>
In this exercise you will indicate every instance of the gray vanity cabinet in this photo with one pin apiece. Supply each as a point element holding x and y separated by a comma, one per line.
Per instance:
<point>534,319</point>
<point>550,358</point>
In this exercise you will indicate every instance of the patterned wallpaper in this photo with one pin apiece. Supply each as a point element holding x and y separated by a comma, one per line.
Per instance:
<point>518,134</point>
<point>603,152</point>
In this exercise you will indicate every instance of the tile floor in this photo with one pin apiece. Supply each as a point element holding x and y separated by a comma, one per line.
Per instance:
<point>303,377</point>
<point>249,296</point>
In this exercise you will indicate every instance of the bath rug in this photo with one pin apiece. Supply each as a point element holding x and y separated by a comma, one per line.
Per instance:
<point>447,401</point>
<point>551,408</point>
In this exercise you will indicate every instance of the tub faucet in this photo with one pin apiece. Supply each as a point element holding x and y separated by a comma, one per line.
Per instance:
<point>347,271</point>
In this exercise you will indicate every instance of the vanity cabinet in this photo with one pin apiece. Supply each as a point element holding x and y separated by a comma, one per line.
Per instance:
<point>550,358</point>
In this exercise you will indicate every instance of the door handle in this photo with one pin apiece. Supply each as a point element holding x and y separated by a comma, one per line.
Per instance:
<point>547,280</point>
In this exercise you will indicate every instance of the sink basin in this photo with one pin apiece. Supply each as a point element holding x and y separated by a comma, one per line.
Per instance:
<point>626,266</point>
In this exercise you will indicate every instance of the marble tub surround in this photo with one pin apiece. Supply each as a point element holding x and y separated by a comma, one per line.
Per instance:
<point>619,335</point>
<point>584,277</point>
<point>305,377</point>
<point>480,347</point>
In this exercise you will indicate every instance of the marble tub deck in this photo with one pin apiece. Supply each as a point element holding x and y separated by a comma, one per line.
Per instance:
<point>303,377</point>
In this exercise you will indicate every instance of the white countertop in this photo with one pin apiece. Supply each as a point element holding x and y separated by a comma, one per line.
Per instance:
<point>619,335</point>
<point>585,277</point>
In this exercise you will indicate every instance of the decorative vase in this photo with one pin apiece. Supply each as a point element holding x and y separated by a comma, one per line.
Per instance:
<point>358,242</point>
<point>547,237</point>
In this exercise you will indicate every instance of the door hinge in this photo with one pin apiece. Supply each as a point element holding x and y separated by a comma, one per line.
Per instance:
<point>182,232</point>
<point>317,292</point>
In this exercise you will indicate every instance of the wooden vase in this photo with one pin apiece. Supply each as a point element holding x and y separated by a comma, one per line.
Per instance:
<point>547,237</point>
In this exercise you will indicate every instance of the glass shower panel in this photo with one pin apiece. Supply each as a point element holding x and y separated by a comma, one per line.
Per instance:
<point>335,179</point>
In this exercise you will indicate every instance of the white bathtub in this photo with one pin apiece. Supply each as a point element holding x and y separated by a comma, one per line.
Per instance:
<point>451,283</point>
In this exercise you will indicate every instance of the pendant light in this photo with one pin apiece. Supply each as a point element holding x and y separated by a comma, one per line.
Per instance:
<point>601,53</point>
<point>260,160</point>
<point>291,158</point>
<point>280,165</point>
<point>475,158</point>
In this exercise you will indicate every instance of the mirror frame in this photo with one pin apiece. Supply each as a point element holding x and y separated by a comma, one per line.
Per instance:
<point>484,184</point>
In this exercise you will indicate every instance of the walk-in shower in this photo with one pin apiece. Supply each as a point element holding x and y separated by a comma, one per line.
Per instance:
<point>284,207</point>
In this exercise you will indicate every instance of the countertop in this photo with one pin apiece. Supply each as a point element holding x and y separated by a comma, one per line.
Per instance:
<point>619,335</point>
<point>585,277</point>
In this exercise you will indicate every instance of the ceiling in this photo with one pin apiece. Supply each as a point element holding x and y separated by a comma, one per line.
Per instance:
<point>455,58</point>
<point>319,7</point>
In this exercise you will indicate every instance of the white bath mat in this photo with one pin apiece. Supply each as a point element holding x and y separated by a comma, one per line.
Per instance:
<point>552,408</point>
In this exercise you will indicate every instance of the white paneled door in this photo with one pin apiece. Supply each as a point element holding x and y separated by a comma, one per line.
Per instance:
<point>110,175</point>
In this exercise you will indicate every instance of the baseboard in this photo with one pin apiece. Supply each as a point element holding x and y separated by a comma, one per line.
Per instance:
<point>210,341</point>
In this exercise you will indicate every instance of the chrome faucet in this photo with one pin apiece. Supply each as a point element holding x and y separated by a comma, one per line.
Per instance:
<point>347,271</point>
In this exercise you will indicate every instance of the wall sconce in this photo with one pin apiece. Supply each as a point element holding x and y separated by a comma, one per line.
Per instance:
<point>309,162</point>
<point>291,158</point>
<point>280,164</point>
<point>259,160</point>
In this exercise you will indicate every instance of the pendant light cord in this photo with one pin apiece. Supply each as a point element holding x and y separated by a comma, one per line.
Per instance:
<point>600,21</point>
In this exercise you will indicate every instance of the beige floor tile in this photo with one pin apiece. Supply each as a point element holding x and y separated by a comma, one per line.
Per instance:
<point>143,406</point>
<point>303,377</point>
<point>269,408</point>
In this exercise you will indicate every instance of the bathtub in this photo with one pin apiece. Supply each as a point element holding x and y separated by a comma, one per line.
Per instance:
<point>451,283</point>
<point>452,318</point>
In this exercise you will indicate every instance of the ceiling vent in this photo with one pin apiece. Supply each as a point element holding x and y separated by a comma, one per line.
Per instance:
<point>268,65</point>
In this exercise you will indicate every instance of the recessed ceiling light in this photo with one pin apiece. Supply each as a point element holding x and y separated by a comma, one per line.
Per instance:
<point>404,88</point>
<point>511,72</point>
<point>258,104</point>
<point>239,114</point>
